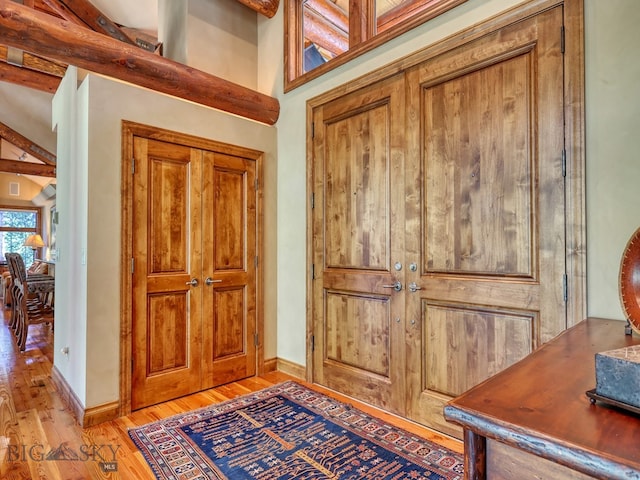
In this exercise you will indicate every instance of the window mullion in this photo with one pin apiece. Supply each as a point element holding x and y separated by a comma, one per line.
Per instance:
<point>362,19</point>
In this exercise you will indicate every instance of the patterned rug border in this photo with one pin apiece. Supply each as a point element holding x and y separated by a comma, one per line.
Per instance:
<point>406,445</point>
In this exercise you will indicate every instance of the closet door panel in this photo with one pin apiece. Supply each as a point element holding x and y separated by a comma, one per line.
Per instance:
<point>166,253</point>
<point>229,268</point>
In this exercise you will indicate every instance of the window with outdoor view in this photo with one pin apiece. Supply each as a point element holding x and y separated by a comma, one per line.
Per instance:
<point>16,224</point>
<point>323,34</point>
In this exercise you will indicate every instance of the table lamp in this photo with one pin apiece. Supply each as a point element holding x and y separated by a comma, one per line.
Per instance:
<point>34,241</point>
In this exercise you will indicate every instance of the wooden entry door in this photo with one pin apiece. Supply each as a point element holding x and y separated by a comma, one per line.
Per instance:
<point>358,238</point>
<point>486,233</point>
<point>448,179</point>
<point>194,275</point>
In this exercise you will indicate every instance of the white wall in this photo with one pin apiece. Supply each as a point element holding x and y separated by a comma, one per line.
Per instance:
<point>96,230</point>
<point>612,144</point>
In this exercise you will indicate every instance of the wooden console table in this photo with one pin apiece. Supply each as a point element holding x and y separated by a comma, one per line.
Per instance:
<point>534,420</point>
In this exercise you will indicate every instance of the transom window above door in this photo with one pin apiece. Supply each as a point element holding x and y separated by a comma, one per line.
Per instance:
<point>323,34</point>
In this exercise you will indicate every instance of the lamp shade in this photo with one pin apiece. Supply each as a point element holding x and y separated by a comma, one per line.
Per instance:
<point>34,241</point>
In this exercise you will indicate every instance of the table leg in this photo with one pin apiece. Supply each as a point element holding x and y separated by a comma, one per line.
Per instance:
<point>475,456</point>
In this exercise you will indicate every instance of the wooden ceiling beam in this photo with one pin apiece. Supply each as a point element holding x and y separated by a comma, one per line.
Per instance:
<point>27,168</point>
<point>34,62</point>
<point>23,143</point>
<point>29,78</point>
<point>25,28</point>
<point>144,39</point>
<point>43,7</point>
<point>268,8</point>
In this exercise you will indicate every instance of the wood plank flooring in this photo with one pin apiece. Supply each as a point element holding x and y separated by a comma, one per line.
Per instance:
<point>33,419</point>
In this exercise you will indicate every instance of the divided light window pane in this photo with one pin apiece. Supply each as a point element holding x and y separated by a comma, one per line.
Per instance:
<point>325,27</point>
<point>15,227</point>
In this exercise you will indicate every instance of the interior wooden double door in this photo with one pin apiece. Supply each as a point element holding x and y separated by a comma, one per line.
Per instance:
<point>194,269</point>
<point>439,222</point>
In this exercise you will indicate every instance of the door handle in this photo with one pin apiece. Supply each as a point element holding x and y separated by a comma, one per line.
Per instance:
<point>397,286</point>
<point>413,287</point>
<point>211,281</point>
<point>193,282</point>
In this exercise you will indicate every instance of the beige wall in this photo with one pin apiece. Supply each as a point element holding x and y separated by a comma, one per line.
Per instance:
<point>613,119</point>
<point>613,145</point>
<point>216,37</point>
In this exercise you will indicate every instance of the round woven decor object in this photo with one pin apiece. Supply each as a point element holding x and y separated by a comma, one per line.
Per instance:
<point>630,281</point>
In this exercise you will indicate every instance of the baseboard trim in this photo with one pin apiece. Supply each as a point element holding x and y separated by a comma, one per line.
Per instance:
<point>85,417</point>
<point>291,368</point>
<point>270,365</point>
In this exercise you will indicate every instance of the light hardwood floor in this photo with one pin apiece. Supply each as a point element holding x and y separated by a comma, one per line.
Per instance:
<point>33,419</point>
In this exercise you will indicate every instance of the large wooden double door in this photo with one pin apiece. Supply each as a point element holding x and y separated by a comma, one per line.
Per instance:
<point>194,270</point>
<point>439,222</point>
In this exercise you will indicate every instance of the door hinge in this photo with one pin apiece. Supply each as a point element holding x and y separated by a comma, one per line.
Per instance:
<point>133,261</point>
<point>255,184</point>
<point>313,343</point>
<point>313,271</point>
<point>313,130</point>
<point>564,162</point>
<point>313,201</point>
<point>565,287</point>
<point>562,44</point>
<point>133,166</point>
<point>255,340</point>
<point>255,261</point>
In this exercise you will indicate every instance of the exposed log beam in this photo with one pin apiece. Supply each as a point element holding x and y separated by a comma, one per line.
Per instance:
<point>43,7</point>
<point>25,28</point>
<point>23,143</point>
<point>83,12</point>
<point>34,62</point>
<point>28,78</point>
<point>143,39</point>
<point>330,12</point>
<point>27,168</point>
<point>324,34</point>
<point>268,8</point>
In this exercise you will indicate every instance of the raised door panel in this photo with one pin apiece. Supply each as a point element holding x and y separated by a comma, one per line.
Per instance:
<point>463,346</point>
<point>487,233</point>
<point>479,173</point>
<point>358,332</point>
<point>166,249</point>
<point>358,238</point>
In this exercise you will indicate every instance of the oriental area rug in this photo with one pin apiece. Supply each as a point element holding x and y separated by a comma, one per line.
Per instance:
<point>289,432</point>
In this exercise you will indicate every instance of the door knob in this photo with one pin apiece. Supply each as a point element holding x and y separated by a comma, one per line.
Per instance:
<point>413,287</point>
<point>397,286</point>
<point>211,281</point>
<point>193,282</point>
